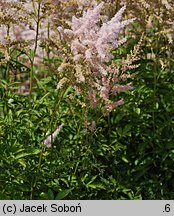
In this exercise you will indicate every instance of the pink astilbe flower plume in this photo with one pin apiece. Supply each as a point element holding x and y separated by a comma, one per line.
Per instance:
<point>91,43</point>
<point>108,35</point>
<point>51,138</point>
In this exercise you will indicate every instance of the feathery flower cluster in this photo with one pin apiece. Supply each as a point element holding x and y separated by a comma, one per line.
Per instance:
<point>12,14</point>
<point>89,40</point>
<point>19,22</point>
<point>86,3</point>
<point>91,44</point>
<point>50,139</point>
<point>155,19</point>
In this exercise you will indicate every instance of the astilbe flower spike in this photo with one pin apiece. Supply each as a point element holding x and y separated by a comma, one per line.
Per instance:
<point>91,44</point>
<point>108,35</point>
<point>51,138</point>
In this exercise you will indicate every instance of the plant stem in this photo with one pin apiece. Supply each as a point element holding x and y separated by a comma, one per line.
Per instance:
<point>36,44</point>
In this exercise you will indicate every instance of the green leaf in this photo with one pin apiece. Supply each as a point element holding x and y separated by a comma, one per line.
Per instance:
<point>68,90</point>
<point>62,194</point>
<point>125,159</point>
<point>22,162</point>
<point>24,154</point>
<point>97,185</point>
<point>92,180</point>
<point>137,110</point>
<point>49,195</point>
<point>126,129</point>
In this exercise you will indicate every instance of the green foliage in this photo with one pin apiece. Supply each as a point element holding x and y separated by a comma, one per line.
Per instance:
<point>128,155</point>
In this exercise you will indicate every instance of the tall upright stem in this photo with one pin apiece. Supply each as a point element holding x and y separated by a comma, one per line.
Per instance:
<point>36,43</point>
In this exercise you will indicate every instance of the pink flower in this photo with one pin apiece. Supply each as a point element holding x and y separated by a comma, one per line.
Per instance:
<point>92,43</point>
<point>111,106</point>
<point>50,139</point>
<point>91,40</point>
<point>120,88</point>
<point>92,98</point>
